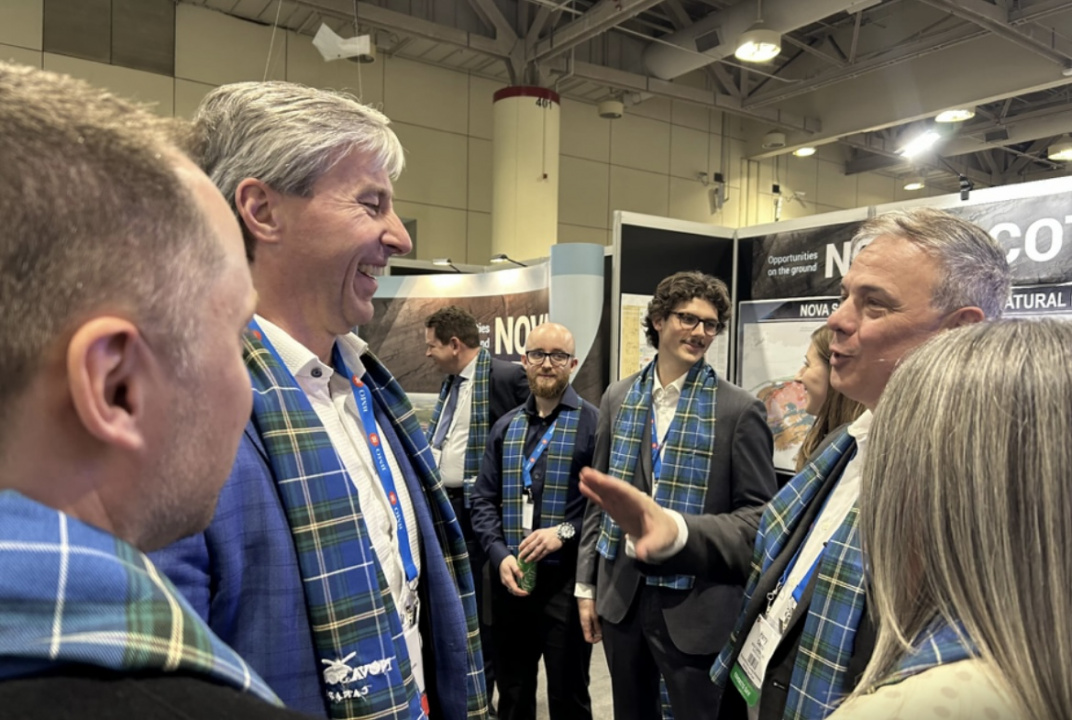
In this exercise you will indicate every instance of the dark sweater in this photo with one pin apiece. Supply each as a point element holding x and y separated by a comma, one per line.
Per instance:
<point>95,694</point>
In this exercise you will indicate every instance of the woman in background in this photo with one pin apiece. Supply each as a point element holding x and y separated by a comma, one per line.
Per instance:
<point>966,520</point>
<point>830,408</point>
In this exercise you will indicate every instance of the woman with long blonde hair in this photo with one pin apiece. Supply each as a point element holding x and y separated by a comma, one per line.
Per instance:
<point>966,520</point>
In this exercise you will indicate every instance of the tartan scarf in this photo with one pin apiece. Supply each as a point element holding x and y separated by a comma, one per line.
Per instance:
<point>686,457</point>
<point>478,418</point>
<point>939,644</point>
<point>73,594</point>
<point>351,607</point>
<point>556,478</point>
<point>819,678</point>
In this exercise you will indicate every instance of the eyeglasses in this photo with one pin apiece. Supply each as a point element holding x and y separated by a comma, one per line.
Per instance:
<point>690,321</point>
<point>558,358</point>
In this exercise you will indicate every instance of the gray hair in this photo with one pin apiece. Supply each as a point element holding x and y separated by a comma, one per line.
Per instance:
<point>94,217</point>
<point>287,136</point>
<point>964,507</point>
<point>975,272</point>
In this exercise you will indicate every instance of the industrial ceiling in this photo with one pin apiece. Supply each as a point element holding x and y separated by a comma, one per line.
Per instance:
<point>864,75</point>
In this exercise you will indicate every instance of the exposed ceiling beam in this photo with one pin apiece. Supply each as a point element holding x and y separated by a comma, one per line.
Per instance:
<point>493,18</point>
<point>879,158</point>
<point>633,82</point>
<point>809,48</point>
<point>602,17</point>
<point>1030,155</point>
<point>992,18</point>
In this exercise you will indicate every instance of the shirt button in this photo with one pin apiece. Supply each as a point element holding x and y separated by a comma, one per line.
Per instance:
<point>317,372</point>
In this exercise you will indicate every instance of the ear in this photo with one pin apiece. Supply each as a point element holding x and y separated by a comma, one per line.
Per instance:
<point>573,364</point>
<point>962,317</point>
<point>258,206</point>
<point>109,371</point>
<point>455,344</point>
<point>658,324</point>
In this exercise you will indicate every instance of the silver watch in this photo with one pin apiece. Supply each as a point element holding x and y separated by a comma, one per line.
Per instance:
<point>566,531</point>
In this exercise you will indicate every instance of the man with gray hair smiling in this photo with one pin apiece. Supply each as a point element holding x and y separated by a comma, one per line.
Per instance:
<point>804,636</point>
<point>334,563</point>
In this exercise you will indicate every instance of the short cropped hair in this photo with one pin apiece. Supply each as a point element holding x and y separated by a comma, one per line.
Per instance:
<point>287,136</point>
<point>94,216</point>
<point>680,288</point>
<point>964,506</point>
<point>974,271</point>
<point>453,321</point>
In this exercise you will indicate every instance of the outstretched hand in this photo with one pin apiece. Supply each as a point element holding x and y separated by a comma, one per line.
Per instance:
<point>651,528</point>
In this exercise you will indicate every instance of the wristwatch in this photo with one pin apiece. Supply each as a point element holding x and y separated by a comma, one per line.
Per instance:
<point>566,531</point>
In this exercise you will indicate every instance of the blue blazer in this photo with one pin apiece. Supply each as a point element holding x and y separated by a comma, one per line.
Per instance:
<point>242,576</point>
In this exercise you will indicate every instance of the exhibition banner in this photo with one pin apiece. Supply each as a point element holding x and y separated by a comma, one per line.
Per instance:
<point>507,305</point>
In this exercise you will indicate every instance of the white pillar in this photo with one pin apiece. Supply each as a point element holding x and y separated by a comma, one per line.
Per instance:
<point>524,200</point>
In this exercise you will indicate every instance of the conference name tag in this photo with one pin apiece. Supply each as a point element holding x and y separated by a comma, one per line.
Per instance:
<point>747,674</point>
<point>527,510</point>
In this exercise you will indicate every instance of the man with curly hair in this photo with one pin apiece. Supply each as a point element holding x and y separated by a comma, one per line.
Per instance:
<point>700,446</point>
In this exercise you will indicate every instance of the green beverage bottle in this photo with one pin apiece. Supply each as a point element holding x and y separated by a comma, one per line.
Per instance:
<point>528,578</point>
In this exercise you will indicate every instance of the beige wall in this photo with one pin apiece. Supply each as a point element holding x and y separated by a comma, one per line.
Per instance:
<point>645,162</point>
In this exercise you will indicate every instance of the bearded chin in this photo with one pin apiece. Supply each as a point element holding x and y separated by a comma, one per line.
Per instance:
<point>548,392</point>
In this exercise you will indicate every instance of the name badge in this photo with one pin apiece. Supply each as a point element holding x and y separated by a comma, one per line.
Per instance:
<point>527,509</point>
<point>747,674</point>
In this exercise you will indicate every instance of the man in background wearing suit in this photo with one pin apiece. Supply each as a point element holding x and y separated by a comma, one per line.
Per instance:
<point>477,391</point>
<point>700,446</point>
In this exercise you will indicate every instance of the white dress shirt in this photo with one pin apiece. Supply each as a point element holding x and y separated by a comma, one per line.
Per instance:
<point>333,401</point>
<point>452,457</point>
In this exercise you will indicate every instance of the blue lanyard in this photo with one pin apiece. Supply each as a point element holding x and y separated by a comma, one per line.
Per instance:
<point>368,419</point>
<point>656,449</point>
<point>526,469</point>
<point>363,397</point>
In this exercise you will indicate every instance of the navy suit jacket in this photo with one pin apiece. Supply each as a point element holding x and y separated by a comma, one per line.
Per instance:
<point>242,576</point>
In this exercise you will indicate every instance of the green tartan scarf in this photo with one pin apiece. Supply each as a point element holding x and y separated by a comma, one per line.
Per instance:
<point>350,604</point>
<point>556,478</point>
<point>686,457</point>
<point>478,417</point>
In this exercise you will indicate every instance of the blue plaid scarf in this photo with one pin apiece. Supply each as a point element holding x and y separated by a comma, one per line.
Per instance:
<point>556,478</point>
<point>819,679</point>
<point>351,607</point>
<point>939,644</point>
<point>478,418</point>
<point>73,594</point>
<point>686,458</point>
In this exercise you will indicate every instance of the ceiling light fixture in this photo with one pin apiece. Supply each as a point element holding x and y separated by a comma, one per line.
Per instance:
<point>445,262</point>
<point>804,152</point>
<point>1061,150</point>
<point>759,43</point>
<point>504,258</point>
<point>915,184</point>
<point>955,115</point>
<point>919,144</point>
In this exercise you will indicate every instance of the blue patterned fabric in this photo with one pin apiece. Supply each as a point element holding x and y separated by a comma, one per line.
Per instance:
<point>819,680</point>
<point>73,594</point>
<point>350,604</point>
<point>686,458</point>
<point>556,478</point>
<point>939,644</point>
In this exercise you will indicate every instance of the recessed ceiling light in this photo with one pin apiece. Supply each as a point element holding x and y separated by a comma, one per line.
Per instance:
<point>955,115</point>
<point>915,184</point>
<point>804,152</point>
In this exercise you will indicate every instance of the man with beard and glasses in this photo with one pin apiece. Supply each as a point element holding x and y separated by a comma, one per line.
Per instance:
<point>700,447</point>
<point>527,507</point>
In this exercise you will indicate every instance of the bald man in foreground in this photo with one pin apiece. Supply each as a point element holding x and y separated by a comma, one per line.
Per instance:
<point>527,506</point>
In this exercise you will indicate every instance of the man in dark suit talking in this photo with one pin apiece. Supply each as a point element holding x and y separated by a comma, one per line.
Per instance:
<point>700,446</point>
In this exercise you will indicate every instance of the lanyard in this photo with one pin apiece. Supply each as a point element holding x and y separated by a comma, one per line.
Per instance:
<point>363,397</point>
<point>798,591</point>
<point>657,449</point>
<point>526,469</point>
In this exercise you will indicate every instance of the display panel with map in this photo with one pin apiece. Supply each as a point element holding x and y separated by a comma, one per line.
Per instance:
<point>773,336</point>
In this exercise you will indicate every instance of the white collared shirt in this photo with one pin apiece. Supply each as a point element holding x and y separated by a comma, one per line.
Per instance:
<point>452,459</point>
<point>333,401</point>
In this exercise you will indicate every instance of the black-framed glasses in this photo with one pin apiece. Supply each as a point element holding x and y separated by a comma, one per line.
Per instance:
<point>558,358</point>
<point>690,321</point>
